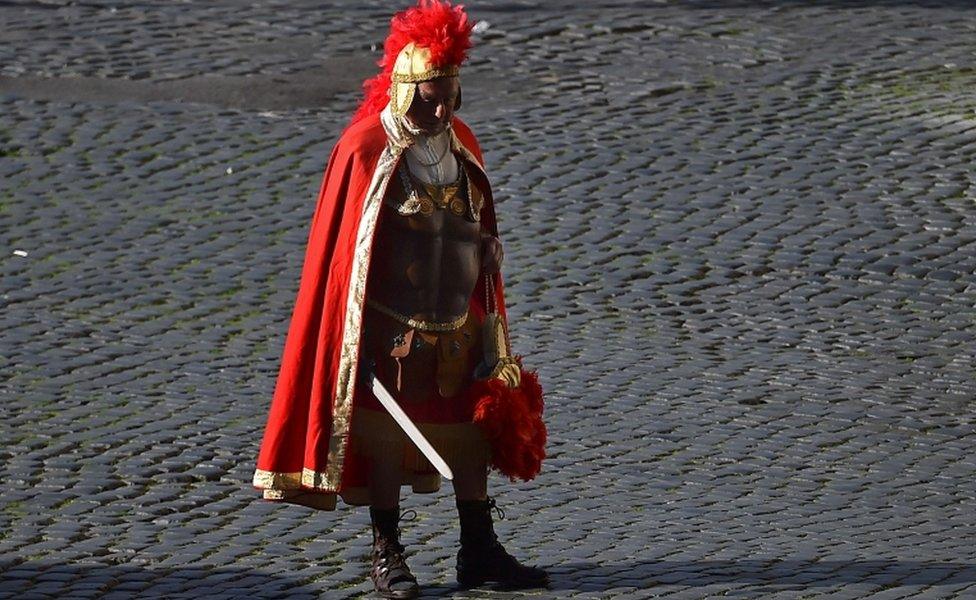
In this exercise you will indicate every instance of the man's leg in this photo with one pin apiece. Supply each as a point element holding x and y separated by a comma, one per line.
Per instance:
<point>390,574</point>
<point>384,483</point>
<point>471,477</point>
<point>481,557</point>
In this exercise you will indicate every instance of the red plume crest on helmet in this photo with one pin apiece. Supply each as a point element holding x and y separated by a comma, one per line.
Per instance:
<point>433,24</point>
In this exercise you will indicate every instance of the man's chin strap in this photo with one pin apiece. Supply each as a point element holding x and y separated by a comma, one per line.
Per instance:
<point>409,126</point>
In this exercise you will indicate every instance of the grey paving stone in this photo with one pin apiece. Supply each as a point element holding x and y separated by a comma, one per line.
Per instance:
<point>739,249</point>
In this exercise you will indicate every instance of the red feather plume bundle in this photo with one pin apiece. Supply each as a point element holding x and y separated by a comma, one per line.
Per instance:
<point>511,420</point>
<point>433,24</point>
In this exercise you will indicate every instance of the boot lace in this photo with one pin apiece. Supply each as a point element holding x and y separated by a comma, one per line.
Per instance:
<point>492,505</point>
<point>408,515</point>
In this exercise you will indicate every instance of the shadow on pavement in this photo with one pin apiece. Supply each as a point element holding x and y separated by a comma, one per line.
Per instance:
<point>777,575</point>
<point>66,580</point>
<point>805,573</point>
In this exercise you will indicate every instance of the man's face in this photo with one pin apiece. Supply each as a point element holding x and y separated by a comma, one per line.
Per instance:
<point>433,104</point>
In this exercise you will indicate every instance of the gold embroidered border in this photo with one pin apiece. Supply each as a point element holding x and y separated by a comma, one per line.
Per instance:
<point>445,71</point>
<point>331,478</point>
<point>274,480</point>
<point>456,145</point>
<point>400,105</point>
<point>281,480</point>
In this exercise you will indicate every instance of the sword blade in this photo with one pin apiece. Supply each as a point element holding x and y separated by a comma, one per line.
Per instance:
<point>408,427</point>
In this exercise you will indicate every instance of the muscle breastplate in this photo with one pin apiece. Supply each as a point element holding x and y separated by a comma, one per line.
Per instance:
<point>460,198</point>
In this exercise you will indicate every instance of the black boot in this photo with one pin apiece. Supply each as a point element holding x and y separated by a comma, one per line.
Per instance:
<point>482,558</point>
<point>390,574</point>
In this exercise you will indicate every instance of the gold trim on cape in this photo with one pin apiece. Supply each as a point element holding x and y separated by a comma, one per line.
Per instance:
<point>273,480</point>
<point>331,478</point>
<point>456,145</point>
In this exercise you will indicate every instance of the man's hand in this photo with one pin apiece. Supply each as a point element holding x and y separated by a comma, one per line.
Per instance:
<point>491,253</point>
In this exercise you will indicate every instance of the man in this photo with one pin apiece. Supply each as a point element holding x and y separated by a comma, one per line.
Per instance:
<point>400,271</point>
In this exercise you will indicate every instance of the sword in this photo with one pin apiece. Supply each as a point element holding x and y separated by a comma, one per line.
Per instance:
<point>408,427</point>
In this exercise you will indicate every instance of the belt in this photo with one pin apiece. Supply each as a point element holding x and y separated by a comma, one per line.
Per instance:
<point>419,325</point>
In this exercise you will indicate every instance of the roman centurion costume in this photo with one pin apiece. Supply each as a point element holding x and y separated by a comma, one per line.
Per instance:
<point>454,378</point>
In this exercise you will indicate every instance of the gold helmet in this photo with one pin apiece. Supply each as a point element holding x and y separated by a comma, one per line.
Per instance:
<point>413,66</point>
<point>426,41</point>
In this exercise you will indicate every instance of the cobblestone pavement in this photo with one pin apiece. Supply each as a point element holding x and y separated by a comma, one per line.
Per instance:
<point>741,251</point>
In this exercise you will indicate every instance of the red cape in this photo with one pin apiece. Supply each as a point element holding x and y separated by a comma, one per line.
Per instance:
<point>304,455</point>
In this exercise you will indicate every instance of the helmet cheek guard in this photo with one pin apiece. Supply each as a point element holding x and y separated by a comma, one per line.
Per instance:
<point>413,66</point>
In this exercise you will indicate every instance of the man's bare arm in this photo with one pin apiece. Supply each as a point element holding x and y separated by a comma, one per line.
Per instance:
<point>491,253</point>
